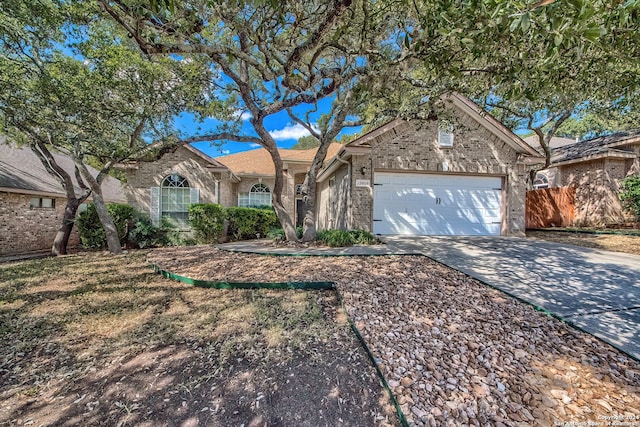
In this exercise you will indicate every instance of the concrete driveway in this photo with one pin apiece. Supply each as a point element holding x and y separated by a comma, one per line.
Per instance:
<point>597,291</point>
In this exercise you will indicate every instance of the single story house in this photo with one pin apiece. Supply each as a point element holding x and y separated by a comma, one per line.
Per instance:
<point>595,168</point>
<point>32,201</point>
<point>406,177</point>
<point>167,186</point>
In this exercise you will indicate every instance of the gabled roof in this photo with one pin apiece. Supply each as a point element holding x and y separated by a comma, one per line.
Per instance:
<point>258,162</point>
<point>21,171</point>
<point>604,146</point>
<point>469,107</point>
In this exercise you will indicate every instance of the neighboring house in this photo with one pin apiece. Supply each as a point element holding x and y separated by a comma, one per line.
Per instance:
<point>167,186</point>
<point>32,201</point>
<point>595,168</point>
<point>543,177</point>
<point>429,178</point>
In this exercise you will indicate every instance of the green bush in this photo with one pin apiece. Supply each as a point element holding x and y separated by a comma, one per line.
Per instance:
<point>207,221</point>
<point>144,234</point>
<point>91,232</point>
<point>630,195</point>
<point>249,223</point>
<point>335,238</point>
<point>363,237</point>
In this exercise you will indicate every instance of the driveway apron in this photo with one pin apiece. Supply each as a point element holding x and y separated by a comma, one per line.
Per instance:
<point>597,291</point>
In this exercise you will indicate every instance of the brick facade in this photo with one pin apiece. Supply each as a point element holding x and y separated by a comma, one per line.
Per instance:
<point>597,185</point>
<point>413,147</point>
<point>184,163</point>
<point>25,229</point>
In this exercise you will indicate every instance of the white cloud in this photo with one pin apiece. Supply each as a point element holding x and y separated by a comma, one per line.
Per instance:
<point>243,115</point>
<point>296,131</point>
<point>224,151</point>
<point>254,145</point>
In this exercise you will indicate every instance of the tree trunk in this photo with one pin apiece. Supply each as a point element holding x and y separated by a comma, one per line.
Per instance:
<point>64,232</point>
<point>110,230</point>
<point>276,196</point>
<point>309,222</point>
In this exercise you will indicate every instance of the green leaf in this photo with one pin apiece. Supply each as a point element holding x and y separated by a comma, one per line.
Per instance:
<point>526,22</point>
<point>515,24</point>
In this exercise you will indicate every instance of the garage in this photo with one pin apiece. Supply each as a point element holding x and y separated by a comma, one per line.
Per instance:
<point>437,204</point>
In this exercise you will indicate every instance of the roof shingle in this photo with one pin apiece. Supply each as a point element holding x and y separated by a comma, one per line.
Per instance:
<point>258,161</point>
<point>21,169</point>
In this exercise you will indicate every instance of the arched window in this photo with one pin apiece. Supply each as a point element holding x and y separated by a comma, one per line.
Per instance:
<point>175,197</point>
<point>258,196</point>
<point>541,181</point>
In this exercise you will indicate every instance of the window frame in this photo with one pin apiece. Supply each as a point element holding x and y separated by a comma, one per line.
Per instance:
<point>175,198</point>
<point>247,200</point>
<point>40,203</point>
<point>446,137</point>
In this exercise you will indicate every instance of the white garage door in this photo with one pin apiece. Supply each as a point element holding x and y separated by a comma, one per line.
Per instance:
<point>419,204</point>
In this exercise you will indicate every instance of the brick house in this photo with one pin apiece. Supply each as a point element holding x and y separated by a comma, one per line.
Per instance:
<point>167,186</point>
<point>595,168</point>
<point>402,178</point>
<point>465,175</point>
<point>32,201</point>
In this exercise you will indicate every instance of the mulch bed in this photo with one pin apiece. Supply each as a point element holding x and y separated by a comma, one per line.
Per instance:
<point>453,350</point>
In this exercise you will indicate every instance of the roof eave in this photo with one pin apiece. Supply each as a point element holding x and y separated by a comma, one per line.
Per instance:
<point>607,155</point>
<point>493,125</point>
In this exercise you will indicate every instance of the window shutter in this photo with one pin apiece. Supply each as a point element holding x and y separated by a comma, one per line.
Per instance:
<point>195,195</point>
<point>154,205</point>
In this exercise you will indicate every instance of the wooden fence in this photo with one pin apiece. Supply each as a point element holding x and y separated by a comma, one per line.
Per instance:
<point>550,207</point>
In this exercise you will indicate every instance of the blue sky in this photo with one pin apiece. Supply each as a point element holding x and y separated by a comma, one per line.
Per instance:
<point>280,125</point>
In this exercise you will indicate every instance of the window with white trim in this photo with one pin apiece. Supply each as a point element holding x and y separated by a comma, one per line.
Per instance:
<point>258,196</point>
<point>445,134</point>
<point>541,181</point>
<point>175,198</point>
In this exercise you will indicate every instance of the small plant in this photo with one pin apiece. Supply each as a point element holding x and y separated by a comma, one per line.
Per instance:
<point>630,195</point>
<point>335,238</point>
<point>363,237</point>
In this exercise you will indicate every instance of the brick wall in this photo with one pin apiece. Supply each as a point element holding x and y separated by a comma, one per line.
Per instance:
<point>597,185</point>
<point>414,147</point>
<point>181,162</point>
<point>24,229</point>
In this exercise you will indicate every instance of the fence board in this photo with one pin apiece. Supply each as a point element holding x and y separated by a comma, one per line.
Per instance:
<point>550,207</point>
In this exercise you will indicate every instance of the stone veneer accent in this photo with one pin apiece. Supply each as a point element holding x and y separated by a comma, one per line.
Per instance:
<point>24,229</point>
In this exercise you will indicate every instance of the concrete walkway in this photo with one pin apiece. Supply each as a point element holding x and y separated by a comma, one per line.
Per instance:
<point>598,291</point>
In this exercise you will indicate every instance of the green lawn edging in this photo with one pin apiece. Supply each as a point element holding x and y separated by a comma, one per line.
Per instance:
<point>288,286</point>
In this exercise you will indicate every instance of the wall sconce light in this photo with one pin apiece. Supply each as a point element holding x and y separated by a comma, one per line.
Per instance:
<point>363,170</point>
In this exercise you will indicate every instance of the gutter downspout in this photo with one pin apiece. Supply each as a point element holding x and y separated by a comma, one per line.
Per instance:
<point>349,189</point>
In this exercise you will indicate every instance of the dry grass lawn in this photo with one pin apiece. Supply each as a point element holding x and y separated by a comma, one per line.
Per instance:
<point>606,242</point>
<point>100,340</point>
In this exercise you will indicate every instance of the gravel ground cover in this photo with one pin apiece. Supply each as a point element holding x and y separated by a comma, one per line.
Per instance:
<point>454,351</point>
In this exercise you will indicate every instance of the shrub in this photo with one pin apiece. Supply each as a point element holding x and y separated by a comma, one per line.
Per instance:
<point>363,237</point>
<point>144,234</point>
<point>630,195</point>
<point>248,223</point>
<point>335,238</point>
<point>207,221</point>
<point>90,228</point>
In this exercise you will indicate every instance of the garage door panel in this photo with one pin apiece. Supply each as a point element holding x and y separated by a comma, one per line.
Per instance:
<point>423,204</point>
